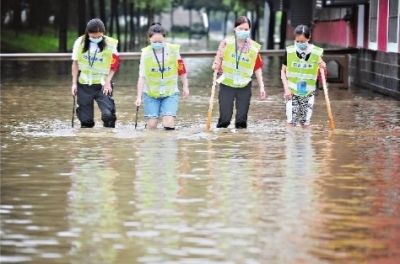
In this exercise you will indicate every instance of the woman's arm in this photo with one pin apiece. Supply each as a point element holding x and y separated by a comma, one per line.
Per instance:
<point>260,82</point>
<point>185,85</point>
<point>74,73</point>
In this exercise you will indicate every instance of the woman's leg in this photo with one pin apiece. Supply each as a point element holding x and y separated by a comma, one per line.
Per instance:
<point>225,98</point>
<point>151,111</point>
<point>169,109</point>
<point>85,112</point>
<point>107,107</point>
<point>243,96</point>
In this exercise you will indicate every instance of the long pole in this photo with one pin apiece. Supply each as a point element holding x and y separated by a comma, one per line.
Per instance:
<point>136,118</point>
<point>73,111</point>
<point>210,107</point>
<point>328,103</point>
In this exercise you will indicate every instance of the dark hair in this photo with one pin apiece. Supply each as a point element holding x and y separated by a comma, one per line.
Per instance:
<point>156,28</point>
<point>94,25</point>
<point>303,30</point>
<point>241,20</point>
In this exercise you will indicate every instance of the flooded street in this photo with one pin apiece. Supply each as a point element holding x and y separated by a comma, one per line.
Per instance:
<point>267,194</point>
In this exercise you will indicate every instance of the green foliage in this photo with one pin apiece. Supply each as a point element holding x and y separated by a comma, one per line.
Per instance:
<point>29,42</point>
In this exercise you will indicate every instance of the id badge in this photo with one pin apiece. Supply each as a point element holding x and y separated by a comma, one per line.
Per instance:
<point>302,87</point>
<point>162,86</point>
<point>236,78</point>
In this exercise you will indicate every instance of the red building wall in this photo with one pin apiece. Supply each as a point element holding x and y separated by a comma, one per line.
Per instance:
<point>382,24</point>
<point>335,33</point>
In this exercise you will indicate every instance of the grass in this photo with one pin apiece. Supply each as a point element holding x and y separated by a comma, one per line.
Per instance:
<point>27,41</point>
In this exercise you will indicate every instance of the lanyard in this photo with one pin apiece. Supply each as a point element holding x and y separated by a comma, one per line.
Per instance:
<point>158,62</point>
<point>94,57</point>
<point>237,59</point>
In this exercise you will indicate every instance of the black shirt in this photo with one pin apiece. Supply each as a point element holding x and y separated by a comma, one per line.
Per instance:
<point>284,62</point>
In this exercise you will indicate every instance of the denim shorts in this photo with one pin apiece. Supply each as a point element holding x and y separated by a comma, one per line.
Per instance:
<point>159,107</point>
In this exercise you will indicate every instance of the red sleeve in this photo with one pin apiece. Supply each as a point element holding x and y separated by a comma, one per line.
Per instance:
<point>115,62</point>
<point>181,67</point>
<point>259,62</point>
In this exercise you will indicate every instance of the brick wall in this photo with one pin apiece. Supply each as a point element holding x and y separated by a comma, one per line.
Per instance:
<point>376,70</point>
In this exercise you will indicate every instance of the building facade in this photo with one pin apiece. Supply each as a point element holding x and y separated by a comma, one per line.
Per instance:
<point>371,26</point>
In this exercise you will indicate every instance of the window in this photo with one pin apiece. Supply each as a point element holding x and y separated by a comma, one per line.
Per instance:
<point>373,24</point>
<point>393,27</point>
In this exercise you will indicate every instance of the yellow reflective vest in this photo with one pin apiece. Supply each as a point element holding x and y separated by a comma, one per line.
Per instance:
<point>238,77</point>
<point>302,74</point>
<point>161,84</point>
<point>94,67</point>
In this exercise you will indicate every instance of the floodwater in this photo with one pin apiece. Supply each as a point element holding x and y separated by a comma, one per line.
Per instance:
<point>267,194</point>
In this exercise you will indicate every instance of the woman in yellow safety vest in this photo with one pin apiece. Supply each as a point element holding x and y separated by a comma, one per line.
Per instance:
<point>95,59</point>
<point>160,66</point>
<point>299,77</point>
<point>236,60</point>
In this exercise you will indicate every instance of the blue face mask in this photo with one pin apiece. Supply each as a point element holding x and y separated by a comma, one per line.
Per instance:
<point>301,46</point>
<point>157,45</point>
<point>242,34</point>
<point>96,40</point>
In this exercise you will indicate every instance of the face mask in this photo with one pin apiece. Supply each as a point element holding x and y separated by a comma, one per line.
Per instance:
<point>243,34</point>
<point>157,45</point>
<point>301,46</point>
<point>96,40</point>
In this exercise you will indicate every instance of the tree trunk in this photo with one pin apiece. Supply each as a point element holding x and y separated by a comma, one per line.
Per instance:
<point>226,22</point>
<point>81,17</point>
<point>63,26</point>
<point>190,25</point>
<point>271,29</point>
<point>117,21</point>
<point>208,12</point>
<point>282,43</point>
<point>172,20</point>
<point>102,11</point>
<point>125,7</point>
<point>17,16</point>
<point>256,24</point>
<point>92,11</point>
<point>131,26</point>
<point>138,26</point>
<point>112,15</point>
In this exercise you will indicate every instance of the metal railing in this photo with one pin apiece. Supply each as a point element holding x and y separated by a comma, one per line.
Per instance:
<point>136,55</point>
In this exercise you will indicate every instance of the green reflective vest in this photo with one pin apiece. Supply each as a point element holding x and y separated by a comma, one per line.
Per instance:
<point>161,84</point>
<point>97,72</point>
<point>240,77</point>
<point>302,74</point>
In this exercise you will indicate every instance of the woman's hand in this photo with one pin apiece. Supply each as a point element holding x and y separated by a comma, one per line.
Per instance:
<point>107,89</point>
<point>185,92</point>
<point>138,101</point>
<point>322,65</point>
<point>74,89</point>
<point>287,94</point>
<point>263,94</point>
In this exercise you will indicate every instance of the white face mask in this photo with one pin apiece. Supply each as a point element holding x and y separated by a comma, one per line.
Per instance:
<point>96,40</point>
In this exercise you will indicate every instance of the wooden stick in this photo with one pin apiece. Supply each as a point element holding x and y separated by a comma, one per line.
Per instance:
<point>210,107</point>
<point>328,103</point>
<point>136,118</point>
<point>73,111</point>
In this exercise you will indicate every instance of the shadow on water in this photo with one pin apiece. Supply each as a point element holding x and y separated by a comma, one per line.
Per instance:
<point>265,194</point>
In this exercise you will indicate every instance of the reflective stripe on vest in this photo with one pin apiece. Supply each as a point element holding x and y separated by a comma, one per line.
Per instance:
<point>302,73</point>
<point>98,71</point>
<point>156,85</point>
<point>242,76</point>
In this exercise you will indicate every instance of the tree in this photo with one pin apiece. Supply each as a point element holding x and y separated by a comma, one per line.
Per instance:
<point>81,17</point>
<point>63,26</point>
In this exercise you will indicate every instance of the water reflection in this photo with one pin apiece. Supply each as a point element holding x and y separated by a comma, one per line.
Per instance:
<point>264,195</point>
<point>92,207</point>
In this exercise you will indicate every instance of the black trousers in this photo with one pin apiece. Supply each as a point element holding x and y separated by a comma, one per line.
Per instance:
<point>87,94</point>
<point>241,98</point>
